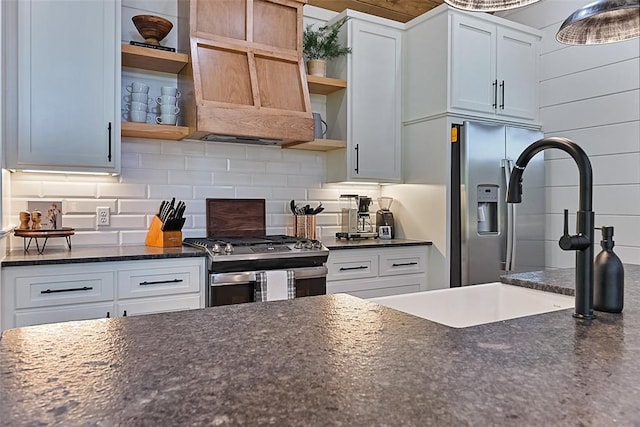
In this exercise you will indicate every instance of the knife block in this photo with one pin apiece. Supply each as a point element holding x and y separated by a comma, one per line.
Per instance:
<point>162,239</point>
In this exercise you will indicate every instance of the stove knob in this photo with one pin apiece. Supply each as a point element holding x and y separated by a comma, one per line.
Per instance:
<point>298,245</point>
<point>216,248</point>
<point>317,244</point>
<point>228,249</point>
<point>308,245</point>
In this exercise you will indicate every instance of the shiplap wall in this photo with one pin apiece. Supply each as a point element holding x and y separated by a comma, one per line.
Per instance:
<point>155,170</point>
<point>591,95</point>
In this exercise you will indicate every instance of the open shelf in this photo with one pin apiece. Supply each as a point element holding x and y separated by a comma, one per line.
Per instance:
<point>325,85</point>
<point>317,145</point>
<point>146,130</point>
<point>153,59</point>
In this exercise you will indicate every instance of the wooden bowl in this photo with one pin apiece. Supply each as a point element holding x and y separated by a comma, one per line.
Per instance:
<point>152,28</point>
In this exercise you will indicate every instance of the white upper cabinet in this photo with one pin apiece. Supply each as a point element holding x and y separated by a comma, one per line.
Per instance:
<point>368,113</point>
<point>68,86</point>
<point>471,64</point>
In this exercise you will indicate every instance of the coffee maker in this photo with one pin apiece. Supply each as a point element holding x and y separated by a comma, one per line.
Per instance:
<point>384,217</point>
<point>356,218</point>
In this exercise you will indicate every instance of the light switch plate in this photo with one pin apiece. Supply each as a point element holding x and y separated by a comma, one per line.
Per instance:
<point>104,216</point>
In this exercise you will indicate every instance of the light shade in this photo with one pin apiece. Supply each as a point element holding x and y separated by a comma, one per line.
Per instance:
<point>488,5</point>
<point>603,21</point>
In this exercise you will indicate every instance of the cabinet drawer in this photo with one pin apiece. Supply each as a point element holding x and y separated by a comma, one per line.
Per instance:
<point>60,289</point>
<point>62,314</point>
<point>352,267</point>
<point>158,305</point>
<point>392,264</point>
<point>153,281</point>
<point>380,286</point>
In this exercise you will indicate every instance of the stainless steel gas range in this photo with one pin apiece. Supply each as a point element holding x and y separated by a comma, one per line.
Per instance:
<point>238,249</point>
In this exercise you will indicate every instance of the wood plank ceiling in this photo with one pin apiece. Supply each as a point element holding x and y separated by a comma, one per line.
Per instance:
<point>398,10</point>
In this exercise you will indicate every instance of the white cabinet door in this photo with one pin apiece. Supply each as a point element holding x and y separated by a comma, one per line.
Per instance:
<point>368,113</point>
<point>517,55</point>
<point>375,88</point>
<point>68,84</point>
<point>473,64</point>
<point>493,69</point>
<point>139,306</point>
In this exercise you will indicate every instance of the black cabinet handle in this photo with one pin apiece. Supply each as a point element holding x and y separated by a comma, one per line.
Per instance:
<point>357,158</point>
<point>159,282</point>
<point>362,267</point>
<point>56,291</point>
<point>125,313</point>
<point>109,156</point>
<point>108,315</point>
<point>404,264</point>
<point>495,94</point>
<point>502,87</point>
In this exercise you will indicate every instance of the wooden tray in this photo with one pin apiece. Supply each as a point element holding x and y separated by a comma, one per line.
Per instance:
<point>60,232</point>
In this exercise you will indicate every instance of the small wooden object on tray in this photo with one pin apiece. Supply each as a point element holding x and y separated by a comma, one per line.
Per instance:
<point>162,239</point>
<point>30,234</point>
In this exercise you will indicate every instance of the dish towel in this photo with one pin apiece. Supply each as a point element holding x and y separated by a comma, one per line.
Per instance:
<point>275,285</point>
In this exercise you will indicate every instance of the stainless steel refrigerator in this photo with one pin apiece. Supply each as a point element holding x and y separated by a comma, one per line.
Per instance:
<point>488,236</point>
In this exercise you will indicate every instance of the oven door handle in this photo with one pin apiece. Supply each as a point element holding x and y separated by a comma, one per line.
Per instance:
<point>239,278</point>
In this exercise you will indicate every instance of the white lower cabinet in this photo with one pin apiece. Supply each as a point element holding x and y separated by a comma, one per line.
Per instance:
<point>376,272</point>
<point>55,293</point>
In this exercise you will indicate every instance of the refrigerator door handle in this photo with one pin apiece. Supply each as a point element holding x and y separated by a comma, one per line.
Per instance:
<point>507,165</point>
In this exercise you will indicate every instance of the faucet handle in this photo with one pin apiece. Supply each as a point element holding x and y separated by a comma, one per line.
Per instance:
<point>572,243</point>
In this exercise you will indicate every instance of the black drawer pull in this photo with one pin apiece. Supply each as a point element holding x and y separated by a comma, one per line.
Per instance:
<point>55,291</point>
<point>362,267</point>
<point>159,282</point>
<point>404,264</point>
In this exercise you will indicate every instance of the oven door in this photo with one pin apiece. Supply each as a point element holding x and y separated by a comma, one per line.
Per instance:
<point>237,288</point>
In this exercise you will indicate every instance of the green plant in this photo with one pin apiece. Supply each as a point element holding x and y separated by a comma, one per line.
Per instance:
<point>323,42</point>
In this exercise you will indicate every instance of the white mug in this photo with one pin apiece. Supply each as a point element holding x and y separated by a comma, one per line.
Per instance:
<point>166,100</point>
<point>137,97</point>
<point>166,119</point>
<point>137,87</point>
<point>170,91</point>
<point>169,109</point>
<point>137,106</point>
<point>138,116</point>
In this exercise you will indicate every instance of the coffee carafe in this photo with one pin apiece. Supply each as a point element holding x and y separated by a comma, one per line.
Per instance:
<point>356,218</point>
<point>364,217</point>
<point>384,218</point>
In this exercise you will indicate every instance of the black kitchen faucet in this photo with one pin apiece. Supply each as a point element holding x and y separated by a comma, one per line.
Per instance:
<point>582,242</point>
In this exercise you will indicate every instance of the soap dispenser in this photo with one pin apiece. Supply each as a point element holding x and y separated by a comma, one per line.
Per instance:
<point>608,276</point>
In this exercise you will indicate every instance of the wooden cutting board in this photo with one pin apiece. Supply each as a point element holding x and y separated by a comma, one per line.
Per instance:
<point>236,217</point>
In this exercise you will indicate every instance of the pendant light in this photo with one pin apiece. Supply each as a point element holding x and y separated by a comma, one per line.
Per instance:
<point>488,5</point>
<point>603,21</point>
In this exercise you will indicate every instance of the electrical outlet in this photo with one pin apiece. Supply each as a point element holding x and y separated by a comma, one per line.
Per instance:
<point>104,216</point>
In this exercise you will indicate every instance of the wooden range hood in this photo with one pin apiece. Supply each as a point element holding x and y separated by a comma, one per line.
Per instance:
<point>246,80</point>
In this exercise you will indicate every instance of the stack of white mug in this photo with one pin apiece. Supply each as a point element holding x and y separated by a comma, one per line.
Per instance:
<point>138,99</point>
<point>167,105</point>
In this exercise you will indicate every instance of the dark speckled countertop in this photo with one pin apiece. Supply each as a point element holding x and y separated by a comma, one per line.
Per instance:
<point>79,254</point>
<point>334,244</point>
<point>326,360</point>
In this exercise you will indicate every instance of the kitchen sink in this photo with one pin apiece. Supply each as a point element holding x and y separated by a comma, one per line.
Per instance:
<point>477,304</point>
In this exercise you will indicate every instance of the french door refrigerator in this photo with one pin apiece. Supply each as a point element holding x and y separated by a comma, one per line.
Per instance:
<point>488,236</point>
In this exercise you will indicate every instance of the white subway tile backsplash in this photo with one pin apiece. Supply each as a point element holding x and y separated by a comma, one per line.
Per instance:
<point>132,237</point>
<point>268,154</point>
<point>186,147</point>
<point>138,206</point>
<point>75,206</point>
<point>253,193</point>
<point>129,191</point>
<point>229,178</point>
<point>130,160</point>
<point>140,145</point>
<point>284,167</point>
<point>135,175</point>
<point>225,192</point>
<point>269,180</point>
<point>288,194</point>
<point>28,188</point>
<point>227,151</point>
<point>79,222</point>
<point>128,221</point>
<point>247,166</point>
<point>69,189</point>
<point>161,161</point>
<point>307,181</point>
<point>205,164</point>
<point>180,192</point>
<point>95,238</point>
<point>177,177</point>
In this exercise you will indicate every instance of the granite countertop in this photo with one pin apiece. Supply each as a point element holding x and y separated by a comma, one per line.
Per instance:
<point>325,360</point>
<point>80,254</point>
<point>334,244</point>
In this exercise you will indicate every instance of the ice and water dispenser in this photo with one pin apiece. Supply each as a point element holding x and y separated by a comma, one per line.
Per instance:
<point>487,209</point>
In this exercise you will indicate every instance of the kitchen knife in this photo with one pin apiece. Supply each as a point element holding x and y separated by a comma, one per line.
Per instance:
<point>161,208</point>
